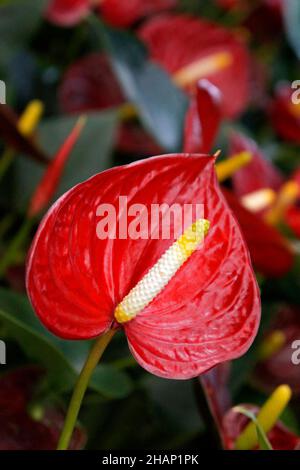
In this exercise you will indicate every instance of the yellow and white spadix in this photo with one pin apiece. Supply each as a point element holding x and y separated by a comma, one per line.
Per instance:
<point>162,272</point>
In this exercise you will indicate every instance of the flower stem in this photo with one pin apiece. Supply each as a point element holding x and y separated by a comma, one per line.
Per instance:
<point>16,243</point>
<point>80,388</point>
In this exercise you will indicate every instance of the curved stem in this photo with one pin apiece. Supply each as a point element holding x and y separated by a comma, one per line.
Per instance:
<point>80,388</point>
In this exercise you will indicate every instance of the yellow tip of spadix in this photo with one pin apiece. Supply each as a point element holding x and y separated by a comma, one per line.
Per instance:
<point>202,68</point>
<point>228,167</point>
<point>271,345</point>
<point>30,118</point>
<point>267,417</point>
<point>286,197</point>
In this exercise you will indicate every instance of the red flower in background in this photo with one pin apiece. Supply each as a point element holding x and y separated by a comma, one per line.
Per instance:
<point>90,85</point>
<point>206,314</point>
<point>258,174</point>
<point>125,13</point>
<point>116,12</point>
<point>67,12</point>
<point>292,214</point>
<point>18,429</point>
<point>285,115</point>
<point>190,48</point>
<point>278,367</point>
<point>270,252</point>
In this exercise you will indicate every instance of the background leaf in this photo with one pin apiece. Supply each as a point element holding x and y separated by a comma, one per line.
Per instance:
<point>162,106</point>
<point>91,154</point>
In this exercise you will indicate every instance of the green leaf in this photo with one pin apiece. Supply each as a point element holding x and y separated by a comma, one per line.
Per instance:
<point>162,106</point>
<point>110,382</point>
<point>37,344</point>
<point>291,13</point>
<point>18,21</point>
<point>91,154</point>
<point>62,359</point>
<point>263,441</point>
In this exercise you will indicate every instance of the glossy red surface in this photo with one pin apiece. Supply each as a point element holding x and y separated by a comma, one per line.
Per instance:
<point>208,313</point>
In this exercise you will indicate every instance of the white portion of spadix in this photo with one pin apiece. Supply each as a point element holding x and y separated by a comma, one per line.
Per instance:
<point>162,272</point>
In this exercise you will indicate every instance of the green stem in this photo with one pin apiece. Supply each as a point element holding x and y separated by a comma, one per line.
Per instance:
<point>80,388</point>
<point>6,160</point>
<point>17,242</point>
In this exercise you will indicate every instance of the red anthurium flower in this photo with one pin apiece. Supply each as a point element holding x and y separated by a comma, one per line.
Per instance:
<point>50,180</point>
<point>203,118</point>
<point>18,429</point>
<point>285,115</point>
<point>270,253</point>
<point>258,174</point>
<point>67,12</point>
<point>190,49</point>
<point>178,323</point>
<point>90,85</point>
<point>126,13</point>
<point>280,437</point>
<point>278,366</point>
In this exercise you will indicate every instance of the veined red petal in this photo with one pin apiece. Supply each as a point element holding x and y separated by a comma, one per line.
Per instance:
<point>258,174</point>
<point>67,12</point>
<point>180,41</point>
<point>125,13</point>
<point>208,312</point>
<point>203,118</point>
<point>50,180</point>
<point>269,251</point>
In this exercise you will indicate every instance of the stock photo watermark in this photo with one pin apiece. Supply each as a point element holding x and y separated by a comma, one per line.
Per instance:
<point>2,92</point>
<point>141,222</point>
<point>296,94</point>
<point>2,353</point>
<point>296,354</point>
